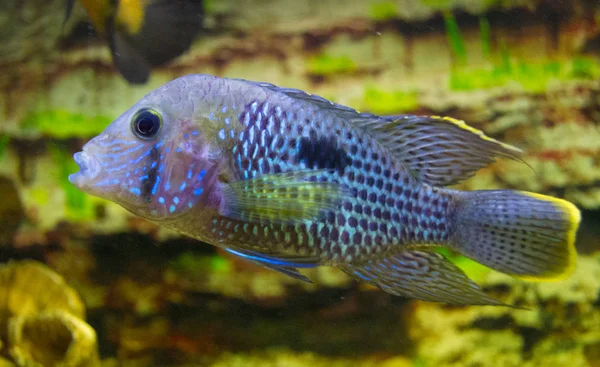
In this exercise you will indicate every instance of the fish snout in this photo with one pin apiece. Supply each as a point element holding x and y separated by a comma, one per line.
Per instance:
<point>89,168</point>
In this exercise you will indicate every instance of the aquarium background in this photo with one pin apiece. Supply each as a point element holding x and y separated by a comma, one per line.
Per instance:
<point>83,283</point>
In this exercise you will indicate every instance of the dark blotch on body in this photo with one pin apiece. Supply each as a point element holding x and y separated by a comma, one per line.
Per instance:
<point>323,153</point>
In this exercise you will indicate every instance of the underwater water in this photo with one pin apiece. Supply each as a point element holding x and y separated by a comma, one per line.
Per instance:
<point>87,283</point>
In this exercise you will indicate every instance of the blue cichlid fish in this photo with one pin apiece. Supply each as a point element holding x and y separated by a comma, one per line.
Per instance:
<point>143,34</point>
<point>290,180</point>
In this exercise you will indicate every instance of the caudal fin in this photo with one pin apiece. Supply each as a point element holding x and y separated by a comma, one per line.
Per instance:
<point>527,235</point>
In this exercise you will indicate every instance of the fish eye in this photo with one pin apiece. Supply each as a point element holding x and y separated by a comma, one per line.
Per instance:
<point>146,123</point>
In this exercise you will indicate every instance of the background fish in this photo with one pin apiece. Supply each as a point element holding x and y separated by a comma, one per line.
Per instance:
<point>143,34</point>
<point>290,180</point>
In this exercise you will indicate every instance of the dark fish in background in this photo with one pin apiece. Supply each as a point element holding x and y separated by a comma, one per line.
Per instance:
<point>143,34</point>
<point>290,180</point>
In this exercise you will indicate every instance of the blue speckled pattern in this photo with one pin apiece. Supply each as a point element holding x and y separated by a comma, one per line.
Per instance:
<point>288,180</point>
<point>386,207</point>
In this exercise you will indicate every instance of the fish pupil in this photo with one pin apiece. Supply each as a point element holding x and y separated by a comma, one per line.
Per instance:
<point>146,124</point>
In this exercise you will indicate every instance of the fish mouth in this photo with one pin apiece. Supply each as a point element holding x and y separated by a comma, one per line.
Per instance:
<point>89,168</point>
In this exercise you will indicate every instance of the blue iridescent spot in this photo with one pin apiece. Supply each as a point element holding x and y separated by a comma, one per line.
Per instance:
<point>224,109</point>
<point>135,190</point>
<point>155,187</point>
<point>161,200</point>
<point>151,166</point>
<point>189,175</point>
<point>178,150</point>
<point>190,204</point>
<point>182,186</point>
<point>172,209</point>
<point>201,174</point>
<point>222,134</point>
<point>186,135</point>
<point>195,132</point>
<point>198,191</point>
<point>176,200</point>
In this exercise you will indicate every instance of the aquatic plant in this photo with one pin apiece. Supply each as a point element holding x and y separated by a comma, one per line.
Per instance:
<point>455,39</point>
<point>485,36</point>
<point>65,124</point>
<point>388,102</point>
<point>383,10</point>
<point>533,76</point>
<point>325,64</point>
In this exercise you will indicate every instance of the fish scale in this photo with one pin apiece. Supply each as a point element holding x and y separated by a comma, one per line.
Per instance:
<point>384,208</point>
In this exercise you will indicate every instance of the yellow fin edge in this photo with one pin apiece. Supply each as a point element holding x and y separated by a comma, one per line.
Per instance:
<point>574,218</point>
<point>463,125</point>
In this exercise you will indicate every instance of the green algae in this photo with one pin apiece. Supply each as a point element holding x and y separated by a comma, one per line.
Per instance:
<point>439,4</point>
<point>532,76</point>
<point>388,102</point>
<point>325,65</point>
<point>191,263</point>
<point>64,124</point>
<point>384,10</point>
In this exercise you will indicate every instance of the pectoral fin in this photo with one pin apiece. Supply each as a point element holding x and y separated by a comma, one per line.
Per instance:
<point>281,198</point>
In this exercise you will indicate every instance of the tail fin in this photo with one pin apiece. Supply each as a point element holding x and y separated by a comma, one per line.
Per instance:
<point>527,235</point>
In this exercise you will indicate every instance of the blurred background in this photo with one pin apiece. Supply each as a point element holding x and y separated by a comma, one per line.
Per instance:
<point>84,283</point>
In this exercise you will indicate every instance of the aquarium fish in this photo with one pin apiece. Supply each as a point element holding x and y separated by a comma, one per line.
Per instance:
<point>143,34</point>
<point>290,180</point>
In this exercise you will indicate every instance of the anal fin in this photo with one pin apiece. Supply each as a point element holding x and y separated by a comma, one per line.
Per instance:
<point>424,275</point>
<point>284,264</point>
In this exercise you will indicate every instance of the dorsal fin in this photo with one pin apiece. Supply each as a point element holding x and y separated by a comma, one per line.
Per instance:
<point>439,151</point>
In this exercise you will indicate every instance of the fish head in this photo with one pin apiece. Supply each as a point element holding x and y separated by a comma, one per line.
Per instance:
<point>153,160</point>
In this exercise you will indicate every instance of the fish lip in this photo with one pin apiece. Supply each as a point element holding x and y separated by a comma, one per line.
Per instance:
<point>89,168</point>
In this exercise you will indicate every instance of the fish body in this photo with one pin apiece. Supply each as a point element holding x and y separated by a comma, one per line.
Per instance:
<point>143,34</point>
<point>290,180</point>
